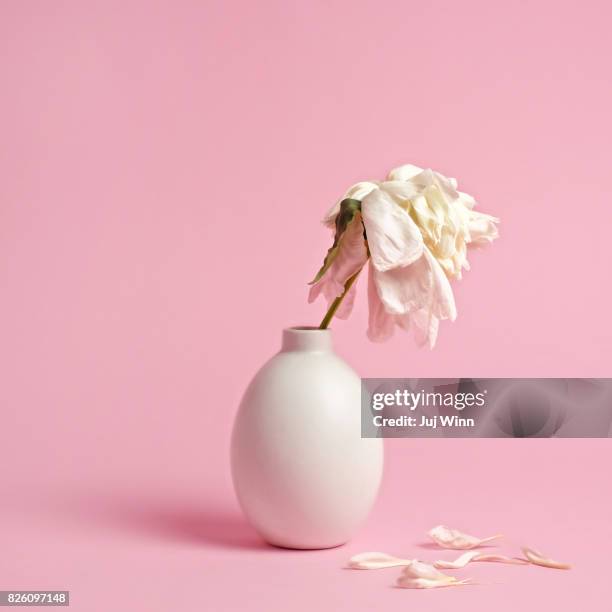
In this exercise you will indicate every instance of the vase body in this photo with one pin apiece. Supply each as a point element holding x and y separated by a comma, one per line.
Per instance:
<point>304,476</point>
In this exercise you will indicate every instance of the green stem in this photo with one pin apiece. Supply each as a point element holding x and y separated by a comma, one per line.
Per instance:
<point>336,303</point>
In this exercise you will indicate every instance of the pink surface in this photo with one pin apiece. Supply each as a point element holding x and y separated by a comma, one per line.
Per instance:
<point>163,172</point>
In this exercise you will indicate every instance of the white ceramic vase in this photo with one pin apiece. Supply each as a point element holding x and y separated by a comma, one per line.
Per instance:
<point>303,474</point>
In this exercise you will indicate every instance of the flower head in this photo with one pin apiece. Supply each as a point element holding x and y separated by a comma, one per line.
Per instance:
<point>414,228</point>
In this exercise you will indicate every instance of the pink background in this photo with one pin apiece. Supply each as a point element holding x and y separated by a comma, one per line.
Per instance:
<point>163,169</point>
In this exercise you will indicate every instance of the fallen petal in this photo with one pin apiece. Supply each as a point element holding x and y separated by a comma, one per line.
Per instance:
<point>459,562</point>
<point>474,555</point>
<point>423,583</point>
<point>452,538</point>
<point>376,560</point>
<point>500,559</point>
<point>535,557</point>
<point>420,575</point>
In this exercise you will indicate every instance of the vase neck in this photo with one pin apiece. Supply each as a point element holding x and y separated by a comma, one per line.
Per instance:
<point>306,339</point>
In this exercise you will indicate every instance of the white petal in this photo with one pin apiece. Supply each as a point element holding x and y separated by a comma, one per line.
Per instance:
<point>429,221</point>
<point>358,191</point>
<point>443,299</point>
<point>452,538</point>
<point>423,583</point>
<point>406,289</point>
<point>376,560</point>
<point>448,186</point>
<point>418,569</point>
<point>467,200</point>
<point>420,575</point>
<point>380,323</point>
<point>404,173</point>
<point>475,555</point>
<point>422,284</point>
<point>459,562</point>
<point>500,559</point>
<point>393,238</point>
<point>401,191</point>
<point>482,227</point>
<point>425,327</point>
<point>537,558</point>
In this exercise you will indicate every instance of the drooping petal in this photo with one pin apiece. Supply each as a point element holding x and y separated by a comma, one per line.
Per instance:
<point>393,238</point>
<point>346,306</point>
<point>404,289</point>
<point>420,575</point>
<point>422,284</point>
<point>443,300</point>
<point>351,257</point>
<point>452,538</point>
<point>448,186</point>
<point>467,200</point>
<point>537,558</point>
<point>482,228</point>
<point>380,323</point>
<point>425,327</point>
<point>376,560</point>
<point>357,191</point>
<point>404,173</point>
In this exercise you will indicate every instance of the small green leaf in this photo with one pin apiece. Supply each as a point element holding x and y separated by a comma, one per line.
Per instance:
<point>348,209</point>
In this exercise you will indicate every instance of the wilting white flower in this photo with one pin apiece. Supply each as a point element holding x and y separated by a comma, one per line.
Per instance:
<point>414,227</point>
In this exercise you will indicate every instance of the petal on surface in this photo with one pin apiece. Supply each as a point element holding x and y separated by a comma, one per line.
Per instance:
<point>475,555</point>
<point>393,237</point>
<point>422,583</point>
<point>459,562</point>
<point>376,560</point>
<point>501,559</point>
<point>380,323</point>
<point>357,191</point>
<point>537,558</point>
<point>420,575</point>
<point>446,537</point>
